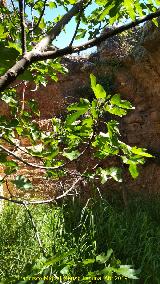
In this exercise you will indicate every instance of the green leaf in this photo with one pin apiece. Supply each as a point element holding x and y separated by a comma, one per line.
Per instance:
<point>113,172</point>
<point>72,1</point>
<point>8,56</point>
<point>42,24</point>
<point>133,170</point>
<point>116,100</point>
<point>57,258</point>
<point>34,106</point>
<point>94,109</point>
<point>126,271</point>
<point>71,155</point>
<point>2,33</point>
<point>129,5</point>
<point>65,270</point>
<point>3,157</point>
<point>22,182</point>
<point>115,110</point>
<point>83,105</point>
<point>71,118</point>
<point>11,167</point>
<point>97,88</point>
<point>101,2</point>
<point>52,5</point>
<point>88,261</point>
<point>81,33</point>
<point>141,152</point>
<point>107,10</point>
<point>113,131</point>
<point>102,258</point>
<point>8,99</point>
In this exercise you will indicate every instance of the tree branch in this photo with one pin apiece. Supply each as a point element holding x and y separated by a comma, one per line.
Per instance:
<point>55,31</point>
<point>27,59</point>
<point>15,86</point>
<point>35,55</point>
<point>96,41</point>
<point>77,27</point>
<point>13,5</point>
<point>35,230</point>
<point>70,189</point>
<point>30,164</point>
<point>40,17</point>
<point>22,24</point>
<point>36,202</point>
<point>36,165</point>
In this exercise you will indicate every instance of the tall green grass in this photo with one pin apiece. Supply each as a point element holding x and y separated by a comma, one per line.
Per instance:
<point>133,233</point>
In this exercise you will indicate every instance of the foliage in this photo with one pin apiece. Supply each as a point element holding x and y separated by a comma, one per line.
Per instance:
<point>28,51</point>
<point>70,139</point>
<point>21,27</point>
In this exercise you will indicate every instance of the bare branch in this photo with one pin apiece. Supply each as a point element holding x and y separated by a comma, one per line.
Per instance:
<point>22,23</point>
<point>40,18</point>
<point>70,189</point>
<point>17,85</point>
<point>35,230</point>
<point>14,8</point>
<point>79,21</point>
<point>36,202</point>
<point>16,146</point>
<point>27,59</point>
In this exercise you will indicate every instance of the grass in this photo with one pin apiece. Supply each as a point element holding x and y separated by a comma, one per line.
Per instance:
<point>133,233</point>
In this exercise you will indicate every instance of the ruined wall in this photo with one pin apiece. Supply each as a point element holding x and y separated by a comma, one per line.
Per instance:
<point>137,79</point>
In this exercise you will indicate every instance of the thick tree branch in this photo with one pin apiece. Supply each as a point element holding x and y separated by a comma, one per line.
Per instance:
<point>35,55</point>
<point>30,57</point>
<point>96,41</point>
<point>22,24</point>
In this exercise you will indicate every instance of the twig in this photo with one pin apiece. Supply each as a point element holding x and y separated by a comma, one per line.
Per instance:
<point>23,95</point>
<point>69,190</point>
<point>39,20</point>
<point>36,165</point>
<point>16,146</point>
<point>36,202</point>
<point>15,86</point>
<point>56,29</point>
<point>13,6</point>
<point>77,26</point>
<point>35,230</point>
<point>30,164</point>
<point>22,24</point>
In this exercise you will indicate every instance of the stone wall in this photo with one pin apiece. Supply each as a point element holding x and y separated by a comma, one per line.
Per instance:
<point>137,78</point>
